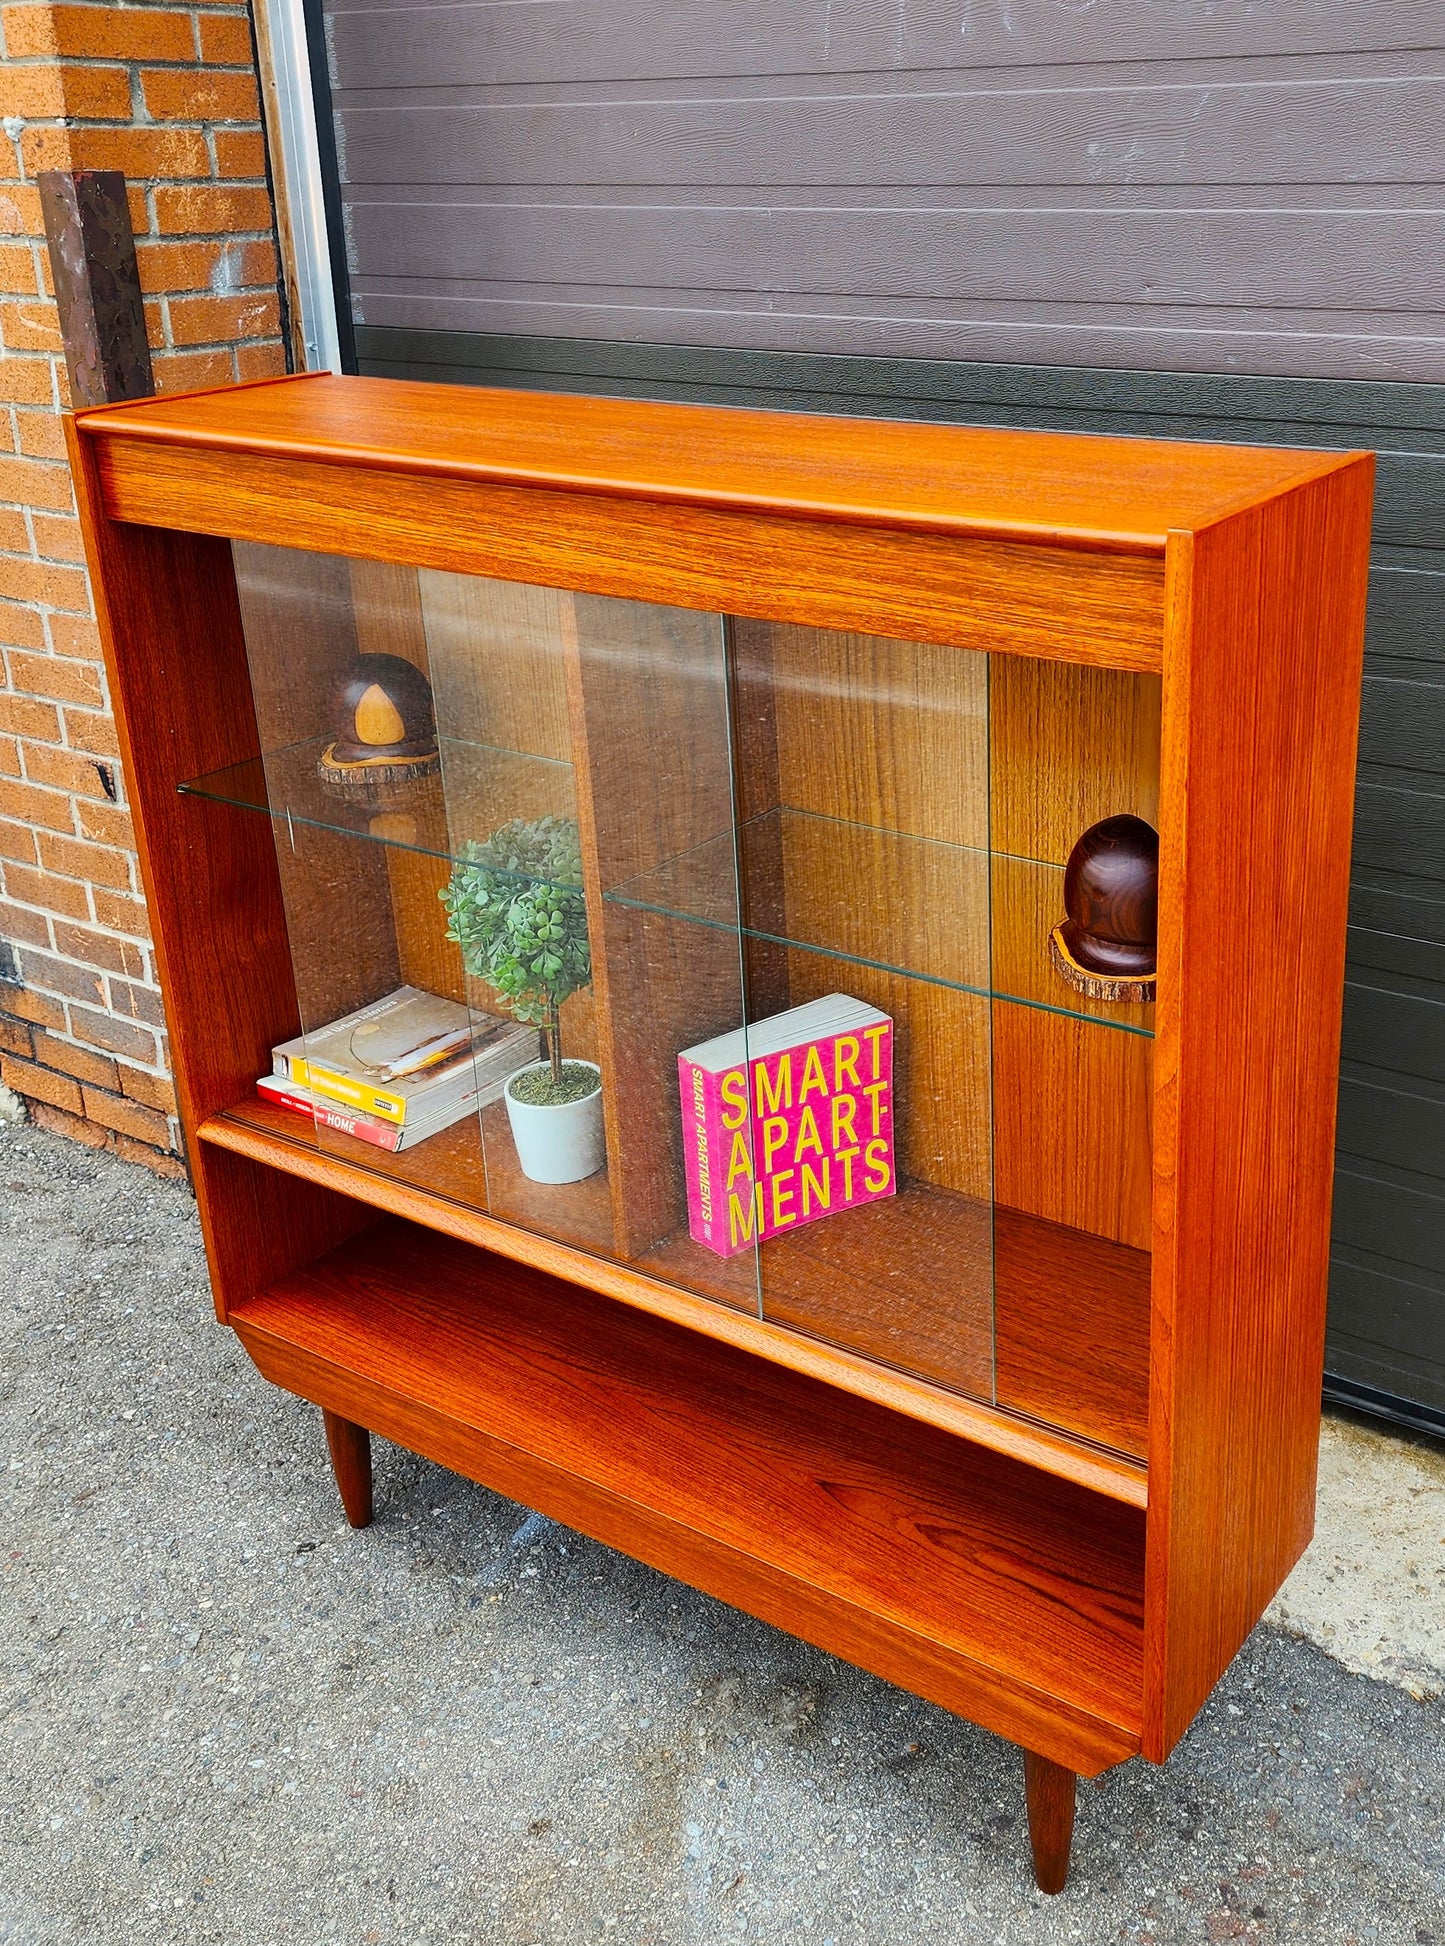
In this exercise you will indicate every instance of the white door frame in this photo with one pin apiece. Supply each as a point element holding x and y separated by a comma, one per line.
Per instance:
<point>284,61</point>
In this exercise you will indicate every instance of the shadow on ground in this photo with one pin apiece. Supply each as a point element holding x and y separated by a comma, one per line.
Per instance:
<point>225,1718</point>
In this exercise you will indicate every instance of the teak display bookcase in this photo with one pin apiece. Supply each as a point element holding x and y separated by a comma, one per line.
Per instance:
<point>820,707</point>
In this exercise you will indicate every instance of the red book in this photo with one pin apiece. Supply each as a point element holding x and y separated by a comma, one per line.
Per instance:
<point>328,1114</point>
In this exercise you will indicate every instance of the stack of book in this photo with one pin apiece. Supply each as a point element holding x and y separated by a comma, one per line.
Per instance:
<point>787,1121</point>
<point>399,1070</point>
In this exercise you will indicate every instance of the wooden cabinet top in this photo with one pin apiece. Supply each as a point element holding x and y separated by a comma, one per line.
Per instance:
<point>1077,489</point>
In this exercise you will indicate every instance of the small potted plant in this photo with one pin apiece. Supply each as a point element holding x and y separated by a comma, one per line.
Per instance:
<point>517,911</point>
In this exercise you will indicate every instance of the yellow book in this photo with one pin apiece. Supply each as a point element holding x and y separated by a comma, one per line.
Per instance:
<point>410,1049</point>
<point>360,1095</point>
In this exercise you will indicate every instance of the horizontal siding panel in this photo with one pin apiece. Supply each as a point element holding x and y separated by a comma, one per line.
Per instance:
<point>1408,1385</point>
<point>1406,615</point>
<point>1410,501</point>
<point>1402,1033</point>
<point>1387,1331</point>
<point>1390,351</point>
<point>1384,1219</point>
<point>1351,259</point>
<point>1393,1126</point>
<point>1227,290</point>
<point>1412,962</point>
<point>1399,831</point>
<point>1399,908</point>
<point>638,40</point>
<point>1403,724</point>
<point>1205,405</point>
<point>1361,131</point>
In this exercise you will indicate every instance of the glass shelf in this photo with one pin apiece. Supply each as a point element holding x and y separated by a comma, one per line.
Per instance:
<point>416,816</point>
<point>807,884</point>
<point>831,888</point>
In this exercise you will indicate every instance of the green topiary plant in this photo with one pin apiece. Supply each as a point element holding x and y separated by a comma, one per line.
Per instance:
<point>517,911</point>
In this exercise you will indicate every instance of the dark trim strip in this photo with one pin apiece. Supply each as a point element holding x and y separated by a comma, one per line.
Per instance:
<point>1384,1405</point>
<point>929,386</point>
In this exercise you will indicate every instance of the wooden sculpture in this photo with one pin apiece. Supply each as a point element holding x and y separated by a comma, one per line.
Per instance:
<point>383,725</point>
<point>1107,945</point>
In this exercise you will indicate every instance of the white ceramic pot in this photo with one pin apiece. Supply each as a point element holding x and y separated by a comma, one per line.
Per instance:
<point>562,1141</point>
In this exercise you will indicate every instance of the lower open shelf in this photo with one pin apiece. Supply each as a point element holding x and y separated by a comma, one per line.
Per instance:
<point>1058,1373</point>
<point>1006,1594</point>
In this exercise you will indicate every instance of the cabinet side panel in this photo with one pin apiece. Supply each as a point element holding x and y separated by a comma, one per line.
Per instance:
<point>175,657</point>
<point>1262,680</point>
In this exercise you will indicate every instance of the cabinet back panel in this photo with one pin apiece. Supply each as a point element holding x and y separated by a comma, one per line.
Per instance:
<point>386,603</point>
<point>883,733</point>
<point>498,662</point>
<point>1073,1106</point>
<point>1070,745</point>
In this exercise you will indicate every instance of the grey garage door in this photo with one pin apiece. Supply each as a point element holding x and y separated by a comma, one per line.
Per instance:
<point>1217,220</point>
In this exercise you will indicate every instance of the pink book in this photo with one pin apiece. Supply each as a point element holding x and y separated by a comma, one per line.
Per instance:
<point>787,1121</point>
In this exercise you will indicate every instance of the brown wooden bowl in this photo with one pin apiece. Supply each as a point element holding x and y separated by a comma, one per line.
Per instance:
<point>1109,940</point>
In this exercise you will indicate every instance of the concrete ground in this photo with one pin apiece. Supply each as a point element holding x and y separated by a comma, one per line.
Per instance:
<point>223,1717</point>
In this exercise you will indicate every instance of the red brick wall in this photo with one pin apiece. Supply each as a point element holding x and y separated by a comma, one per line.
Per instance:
<point>168,96</point>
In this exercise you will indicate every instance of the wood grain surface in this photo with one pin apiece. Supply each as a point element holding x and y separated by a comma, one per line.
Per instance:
<point>298,613</point>
<point>867,838</point>
<point>1067,747</point>
<point>386,605</point>
<point>283,1142</point>
<point>1072,1122</point>
<point>889,735</point>
<point>163,602</point>
<point>496,652</point>
<point>648,707</point>
<point>975,592</point>
<point>1045,487</point>
<point>987,1561</point>
<point>1261,698</point>
<point>1050,1790</point>
<point>1027,903</point>
<point>1071,1330</point>
<point>350,1449</point>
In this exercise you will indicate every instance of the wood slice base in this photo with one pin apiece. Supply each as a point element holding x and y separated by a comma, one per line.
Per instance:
<point>370,777</point>
<point>1098,986</point>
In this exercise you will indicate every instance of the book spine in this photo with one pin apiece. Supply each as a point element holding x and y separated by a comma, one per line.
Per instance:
<point>283,1094</point>
<point>360,1095</point>
<point>705,1157</point>
<point>380,1135</point>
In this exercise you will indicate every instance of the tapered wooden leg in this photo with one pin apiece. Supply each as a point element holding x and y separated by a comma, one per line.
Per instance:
<point>1050,1792</point>
<point>350,1449</point>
